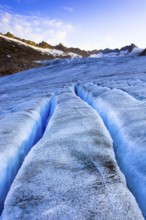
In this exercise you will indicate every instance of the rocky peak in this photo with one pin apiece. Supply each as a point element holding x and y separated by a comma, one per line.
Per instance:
<point>143,53</point>
<point>8,34</point>
<point>129,48</point>
<point>44,45</point>
<point>61,47</point>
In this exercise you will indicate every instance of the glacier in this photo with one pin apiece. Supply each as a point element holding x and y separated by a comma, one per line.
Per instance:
<point>72,140</point>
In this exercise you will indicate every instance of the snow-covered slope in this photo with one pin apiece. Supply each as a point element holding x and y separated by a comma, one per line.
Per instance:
<point>75,151</point>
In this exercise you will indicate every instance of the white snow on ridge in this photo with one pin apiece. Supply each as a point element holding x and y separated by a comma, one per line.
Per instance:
<point>53,52</point>
<point>135,51</point>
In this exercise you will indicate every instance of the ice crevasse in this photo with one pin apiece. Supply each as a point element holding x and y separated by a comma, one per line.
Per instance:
<point>19,132</point>
<point>124,117</point>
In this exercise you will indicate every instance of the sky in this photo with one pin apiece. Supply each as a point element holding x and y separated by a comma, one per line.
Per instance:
<point>87,24</point>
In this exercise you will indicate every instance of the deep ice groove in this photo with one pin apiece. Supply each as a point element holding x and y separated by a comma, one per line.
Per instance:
<point>124,117</point>
<point>30,124</point>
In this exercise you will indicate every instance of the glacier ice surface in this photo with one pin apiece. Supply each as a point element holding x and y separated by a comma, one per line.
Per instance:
<point>116,88</point>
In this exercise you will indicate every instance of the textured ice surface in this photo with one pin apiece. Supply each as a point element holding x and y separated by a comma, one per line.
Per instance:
<point>73,138</point>
<point>125,118</point>
<point>19,131</point>
<point>71,173</point>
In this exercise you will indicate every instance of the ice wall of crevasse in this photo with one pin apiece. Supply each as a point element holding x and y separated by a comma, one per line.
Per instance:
<point>71,173</point>
<point>124,117</point>
<point>21,130</point>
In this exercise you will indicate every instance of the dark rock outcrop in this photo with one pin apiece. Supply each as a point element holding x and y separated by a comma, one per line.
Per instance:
<point>8,34</point>
<point>128,48</point>
<point>45,45</point>
<point>61,47</point>
<point>12,65</point>
<point>143,53</point>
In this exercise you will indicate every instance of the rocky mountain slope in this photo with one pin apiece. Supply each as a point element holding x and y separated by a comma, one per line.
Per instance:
<point>16,55</point>
<point>45,45</point>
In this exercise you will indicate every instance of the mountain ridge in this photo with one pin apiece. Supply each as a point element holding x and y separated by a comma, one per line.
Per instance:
<point>45,45</point>
<point>18,54</point>
<point>78,51</point>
